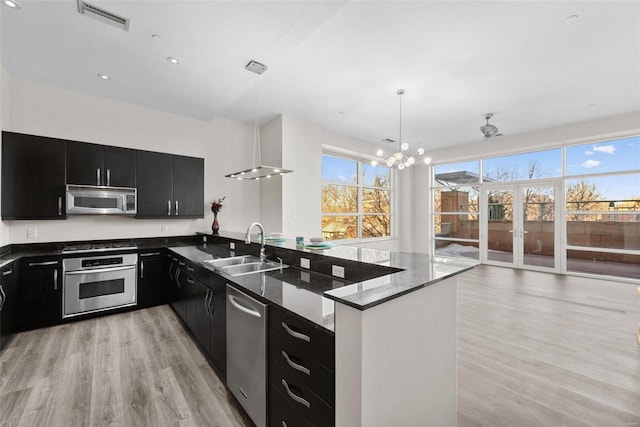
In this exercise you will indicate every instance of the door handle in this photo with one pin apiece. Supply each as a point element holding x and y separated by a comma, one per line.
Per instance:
<point>212,304</point>
<point>55,279</point>
<point>99,270</point>
<point>4,297</point>
<point>177,208</point>
<point>295,334</point>
<point>98,176</point>
<point>60,205</point>
<point>108,176</point>
<point>206,302</point>
<point>151,254</point>
<point>234,302</point>
<point>169,207</point>
<point>142,269</point>
<point>295,397</point>
<point>295,365</point>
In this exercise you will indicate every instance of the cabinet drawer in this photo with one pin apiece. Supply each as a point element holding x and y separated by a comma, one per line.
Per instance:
<point>201,274</point>
<point>303,336</point>
<point>300,397</point>
<point>303,367</point>
<point>282,413</point>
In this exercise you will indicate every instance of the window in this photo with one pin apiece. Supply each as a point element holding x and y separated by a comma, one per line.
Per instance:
<point>517,167</point>
<point>356,199</point>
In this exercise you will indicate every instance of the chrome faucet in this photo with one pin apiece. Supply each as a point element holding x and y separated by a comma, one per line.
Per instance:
<point>247,238</point>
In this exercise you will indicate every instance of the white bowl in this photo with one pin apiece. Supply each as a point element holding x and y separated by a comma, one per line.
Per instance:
<point>316,240</point>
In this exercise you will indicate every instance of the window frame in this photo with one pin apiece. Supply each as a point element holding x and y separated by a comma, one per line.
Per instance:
<point>360,186</point>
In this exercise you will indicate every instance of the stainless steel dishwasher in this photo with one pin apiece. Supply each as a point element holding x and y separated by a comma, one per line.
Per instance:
<point>246,353</point>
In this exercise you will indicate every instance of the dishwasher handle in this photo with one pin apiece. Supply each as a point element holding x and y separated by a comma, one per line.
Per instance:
<point>235,302</point>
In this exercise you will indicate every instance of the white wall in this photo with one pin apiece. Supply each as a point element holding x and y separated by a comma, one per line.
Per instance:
<point>225,145</point>
<point>5,238</point>
<point>271,189</point>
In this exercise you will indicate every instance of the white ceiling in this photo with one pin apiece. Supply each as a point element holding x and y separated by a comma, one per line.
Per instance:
<point>339,64</point>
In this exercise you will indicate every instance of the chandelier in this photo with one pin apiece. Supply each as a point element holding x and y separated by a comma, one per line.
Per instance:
<point>401,158</point>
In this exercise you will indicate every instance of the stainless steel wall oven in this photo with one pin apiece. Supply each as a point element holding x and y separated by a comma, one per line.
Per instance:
<point>97,283</point>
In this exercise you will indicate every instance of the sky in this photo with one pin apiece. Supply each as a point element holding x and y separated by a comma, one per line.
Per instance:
<point>593,158</point>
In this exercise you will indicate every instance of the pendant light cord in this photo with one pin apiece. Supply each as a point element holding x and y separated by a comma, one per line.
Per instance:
<point>256,128</point>
<point>400,93</point>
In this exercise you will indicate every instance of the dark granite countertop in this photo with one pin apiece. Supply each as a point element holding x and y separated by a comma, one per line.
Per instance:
<point>299,291</point>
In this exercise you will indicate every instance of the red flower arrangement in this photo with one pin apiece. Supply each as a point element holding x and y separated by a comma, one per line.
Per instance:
<point>217,205</point>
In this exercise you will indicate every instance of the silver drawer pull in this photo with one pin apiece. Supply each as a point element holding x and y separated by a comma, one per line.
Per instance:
<point>190,280</point>
<point>295,334</point>
<point>8,272</point>
<point>151,254</point>
<point>296,398</point>
<point>189,268</point>
<point>294,365</point>
<point>39,264</point>
<point>181,263</point>
<point>284,424</point>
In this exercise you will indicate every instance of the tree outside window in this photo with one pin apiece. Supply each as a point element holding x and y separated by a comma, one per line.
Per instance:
<point>356,199</point>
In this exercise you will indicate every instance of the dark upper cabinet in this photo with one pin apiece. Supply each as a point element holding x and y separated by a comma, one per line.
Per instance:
<point>169,186</point>
<point>93,164</point>
<point>188,186</point>
<point>154,179</point>
<point>33,177</point>
<point>40,292</point>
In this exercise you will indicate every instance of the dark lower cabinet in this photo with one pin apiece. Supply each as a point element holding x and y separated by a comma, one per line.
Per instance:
<point>33,177</point>
<point>301,371</point>
<point>218,325</point>
<point>197,309</point>
<point>40,292</point>
<point>153,283</point>
<point>178,293</point>
<point>9,302</point>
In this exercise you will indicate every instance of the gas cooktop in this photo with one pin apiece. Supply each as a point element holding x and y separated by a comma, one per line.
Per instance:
<point>99,247</point>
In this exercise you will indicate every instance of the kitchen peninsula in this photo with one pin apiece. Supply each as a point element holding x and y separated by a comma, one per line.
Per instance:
<point>394,323</point>
<point>382,339</point>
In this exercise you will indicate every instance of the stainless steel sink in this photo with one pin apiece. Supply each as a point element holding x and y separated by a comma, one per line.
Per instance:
<point>217,264</point>
<point>252,267</point>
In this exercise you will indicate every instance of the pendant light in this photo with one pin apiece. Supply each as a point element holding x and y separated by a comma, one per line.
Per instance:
<point>257,170</point>
<point>401,158</point>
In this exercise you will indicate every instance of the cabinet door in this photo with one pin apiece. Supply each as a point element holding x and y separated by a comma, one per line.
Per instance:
<point>40,293</point>
<point>84,164</point>
<point>218,327</point>
<point>33,183</point>
<point>9,302</point>
<point>188,186</point>
<point>153,286</point>
<point>119,167</point>
<point>154,180</point>
<point>178,291</point>
<point>197,312</point>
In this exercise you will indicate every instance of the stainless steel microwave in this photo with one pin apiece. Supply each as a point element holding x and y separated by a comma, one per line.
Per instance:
<point>84,199</point>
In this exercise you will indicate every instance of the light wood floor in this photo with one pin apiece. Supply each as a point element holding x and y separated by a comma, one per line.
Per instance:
<point>133,369</point>
<point>534,349</point>
<point>537,349</point>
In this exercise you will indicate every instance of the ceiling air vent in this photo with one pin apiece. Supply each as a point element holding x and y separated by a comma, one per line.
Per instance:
<point>388,140</point>
<point>103,15</point>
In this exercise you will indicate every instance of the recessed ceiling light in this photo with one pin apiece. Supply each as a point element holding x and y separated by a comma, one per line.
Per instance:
<point>173,60</point>
<point>12,4</point>
<point>104,76</point>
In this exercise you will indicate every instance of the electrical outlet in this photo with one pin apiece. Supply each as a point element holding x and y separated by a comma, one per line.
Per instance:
<point>337,271</point>
<point>164,228</point>
<point>32,232</point>
<point>232,245</point>
<point>305,263</point>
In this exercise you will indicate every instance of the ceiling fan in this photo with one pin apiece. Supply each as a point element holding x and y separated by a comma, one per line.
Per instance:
<point>488,130</point>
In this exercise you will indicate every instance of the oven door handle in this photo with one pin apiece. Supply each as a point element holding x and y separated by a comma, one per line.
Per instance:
<point>100,270</point>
